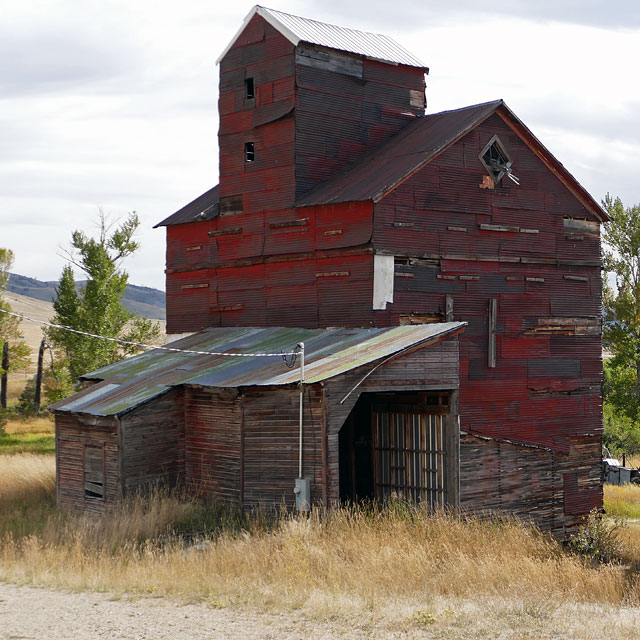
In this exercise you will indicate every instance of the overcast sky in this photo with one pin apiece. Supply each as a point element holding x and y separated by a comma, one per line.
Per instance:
<point>113,104</point>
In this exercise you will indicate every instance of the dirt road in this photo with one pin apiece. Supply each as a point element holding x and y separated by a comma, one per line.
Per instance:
<point>42,614</point>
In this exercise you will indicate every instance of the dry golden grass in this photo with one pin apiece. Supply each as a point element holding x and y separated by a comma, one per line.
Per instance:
<point>343,560</point>
<point>398,567</point>
<point>43,425</point>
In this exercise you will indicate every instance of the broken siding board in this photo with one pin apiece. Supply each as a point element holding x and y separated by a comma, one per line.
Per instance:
<point>72,439</point>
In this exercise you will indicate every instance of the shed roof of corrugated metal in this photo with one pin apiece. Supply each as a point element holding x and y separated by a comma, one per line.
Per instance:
<point>204,207</point>
<point>297,29</point>
<point>129,383</point>
<point>387,166</point>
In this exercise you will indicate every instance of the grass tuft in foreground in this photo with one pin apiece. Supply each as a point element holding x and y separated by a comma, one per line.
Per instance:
<point>345,560</point>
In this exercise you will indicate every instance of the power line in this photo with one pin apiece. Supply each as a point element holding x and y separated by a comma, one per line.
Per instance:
<point>142,345</point>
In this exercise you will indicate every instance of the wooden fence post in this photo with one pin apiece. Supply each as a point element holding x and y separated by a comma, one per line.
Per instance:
<point>3,378</point>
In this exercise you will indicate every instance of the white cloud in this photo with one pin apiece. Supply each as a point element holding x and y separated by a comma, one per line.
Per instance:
<point>113,103</point>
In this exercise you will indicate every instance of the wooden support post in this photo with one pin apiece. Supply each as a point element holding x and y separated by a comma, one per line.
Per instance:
<point>3,378</point>
<point>452,447</point>
<point>448,312</point>
<point>493,323</point>
<point>36,396</point>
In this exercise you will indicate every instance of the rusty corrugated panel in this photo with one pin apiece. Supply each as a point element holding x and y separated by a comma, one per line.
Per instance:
<point>297,29</point>
<point>395,160</point>
<point>204,207</point>
<point>329,352</point>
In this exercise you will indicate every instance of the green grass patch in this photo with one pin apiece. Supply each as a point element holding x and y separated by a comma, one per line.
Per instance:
<point>622,501</point>
<point>27,443</point>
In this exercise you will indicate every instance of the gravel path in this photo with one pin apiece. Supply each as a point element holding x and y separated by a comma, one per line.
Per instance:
<point>43,614</point>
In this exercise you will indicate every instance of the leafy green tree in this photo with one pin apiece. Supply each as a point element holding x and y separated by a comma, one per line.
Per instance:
<point>622,303</point>
<point>19,351</point>
<point>621,325</point>
<point>97,308</point>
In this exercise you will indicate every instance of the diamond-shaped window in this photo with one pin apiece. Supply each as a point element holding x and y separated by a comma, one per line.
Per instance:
<point>496,160</point>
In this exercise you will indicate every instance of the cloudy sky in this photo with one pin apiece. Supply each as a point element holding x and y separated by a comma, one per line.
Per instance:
<point>112,103</point>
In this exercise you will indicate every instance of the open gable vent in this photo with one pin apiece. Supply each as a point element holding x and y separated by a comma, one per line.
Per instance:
<point>496,161</point>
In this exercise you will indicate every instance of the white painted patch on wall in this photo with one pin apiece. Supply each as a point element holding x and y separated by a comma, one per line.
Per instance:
<point>383,274</point>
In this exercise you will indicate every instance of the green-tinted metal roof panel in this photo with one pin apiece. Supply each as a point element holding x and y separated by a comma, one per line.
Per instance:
<point>328,353</point>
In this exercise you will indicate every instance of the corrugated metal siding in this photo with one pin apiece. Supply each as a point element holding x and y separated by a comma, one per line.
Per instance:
<point>340,117</point>
<point>263,54</point>
<point>546,383</point>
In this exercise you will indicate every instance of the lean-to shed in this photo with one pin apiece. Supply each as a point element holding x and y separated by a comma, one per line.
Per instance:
<point>228,426</point>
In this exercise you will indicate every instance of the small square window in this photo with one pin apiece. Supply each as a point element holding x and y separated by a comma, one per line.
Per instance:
<point>496,161</point>
<point>249,89</point>
<point>249,152</point>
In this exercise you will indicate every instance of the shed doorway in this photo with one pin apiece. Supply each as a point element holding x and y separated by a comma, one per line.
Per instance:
<point>398,445</point>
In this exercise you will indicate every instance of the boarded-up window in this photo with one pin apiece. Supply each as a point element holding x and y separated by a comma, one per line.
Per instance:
<point>94,472</point>
<point>409,456</point>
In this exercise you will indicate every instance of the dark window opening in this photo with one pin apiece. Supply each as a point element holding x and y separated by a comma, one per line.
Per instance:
<point>249,152</point>
<point>94,472</point>
<point>497,162</point>
<point>249,89</point>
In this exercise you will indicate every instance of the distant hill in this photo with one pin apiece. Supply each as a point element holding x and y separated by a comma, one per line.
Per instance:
<point>143,301</point>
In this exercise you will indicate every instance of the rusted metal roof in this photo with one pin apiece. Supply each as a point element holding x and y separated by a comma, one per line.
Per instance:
<point>129,383</point>
<point>388,165</point>
<point>297,29</point>
<point>204,207</point>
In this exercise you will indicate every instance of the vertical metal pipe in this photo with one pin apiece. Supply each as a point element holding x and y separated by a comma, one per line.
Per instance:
<point>301,345</point>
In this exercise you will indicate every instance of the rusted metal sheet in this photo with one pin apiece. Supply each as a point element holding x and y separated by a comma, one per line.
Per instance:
<point>329,352</point>
<point>204,207</point>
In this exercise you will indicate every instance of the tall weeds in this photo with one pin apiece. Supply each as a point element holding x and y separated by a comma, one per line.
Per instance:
<point>350,557</point>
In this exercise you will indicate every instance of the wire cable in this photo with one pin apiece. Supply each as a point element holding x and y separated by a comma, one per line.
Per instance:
<point>142,345</point>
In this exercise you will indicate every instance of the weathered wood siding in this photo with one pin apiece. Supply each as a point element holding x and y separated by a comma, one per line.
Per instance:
<point>213,442</point>
<point>271,444</point>
<point>345,106</point>
<point>71,439</point>
<point>434,367</point>
<point>535,250</point>
<point>153,443</point>
<point>554,489</point>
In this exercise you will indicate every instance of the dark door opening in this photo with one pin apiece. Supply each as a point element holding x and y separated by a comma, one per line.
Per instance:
<point>395,445</point>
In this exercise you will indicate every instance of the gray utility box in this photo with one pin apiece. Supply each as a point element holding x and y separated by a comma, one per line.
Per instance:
<point>303,494</point>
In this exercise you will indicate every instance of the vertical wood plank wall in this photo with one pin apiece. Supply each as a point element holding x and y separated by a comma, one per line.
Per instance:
<point>213,442</point>
<point>271,444</point>
<point>71,438</point>
<point>153,443</point>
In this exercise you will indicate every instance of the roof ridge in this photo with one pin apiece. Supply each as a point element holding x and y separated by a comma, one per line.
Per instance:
<point>296,29</point>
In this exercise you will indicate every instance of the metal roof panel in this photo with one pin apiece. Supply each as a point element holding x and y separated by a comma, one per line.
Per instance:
<point>328,353</point>
<point>297,29</point>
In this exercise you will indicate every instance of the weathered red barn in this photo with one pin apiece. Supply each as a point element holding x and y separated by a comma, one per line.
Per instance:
<point>341,204</point>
